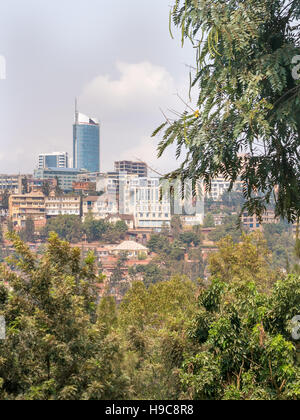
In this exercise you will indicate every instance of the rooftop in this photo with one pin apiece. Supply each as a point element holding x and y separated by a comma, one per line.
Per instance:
<point>130,246</point>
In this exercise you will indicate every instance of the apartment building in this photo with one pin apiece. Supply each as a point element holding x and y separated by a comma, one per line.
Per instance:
<point>53,160</point>
<point>25,206</point>
<point>219,186</point>
<point>252,223</point>
<point>100,206</point>
<point>64,176</point>
<point>63,205</point>
<point>12,183</point>
<point>84,187</point>
<point>132,168</point>
<point>141,197</point>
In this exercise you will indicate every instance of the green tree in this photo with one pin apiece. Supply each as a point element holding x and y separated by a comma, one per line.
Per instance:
<point>46,188</point>
<point>5,200</point>
<point>118,283</point>
<point>67,227</point>
<point>248,100</point>
<point>153,322</point>
<point>151,273</point>
<point>27,234</point>
<point>282,244</point>
<point>94,229</point>
<point>191,237</point>
<point>25,185</point>
<point>116,232</point>
<point>176,226</point>
<point>233,199</point>
<point>248,260</point>
<point>209,221</point>
<point>158,244</point>
<point>56,348</point>
<point>228,227</point>
<point>243,331</point>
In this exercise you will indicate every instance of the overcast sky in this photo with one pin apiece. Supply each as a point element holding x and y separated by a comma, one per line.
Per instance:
<point>116,56</point>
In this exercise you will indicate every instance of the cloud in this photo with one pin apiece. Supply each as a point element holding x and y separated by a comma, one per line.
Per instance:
<point>128,107</point>
<point>139,87</point>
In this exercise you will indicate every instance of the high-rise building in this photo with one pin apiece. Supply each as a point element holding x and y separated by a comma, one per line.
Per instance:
<point>86,143</point>
<point>132,168</point>
<point>53,160</point>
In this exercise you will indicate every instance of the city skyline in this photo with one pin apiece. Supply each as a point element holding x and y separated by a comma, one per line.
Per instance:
<point>122,79</point>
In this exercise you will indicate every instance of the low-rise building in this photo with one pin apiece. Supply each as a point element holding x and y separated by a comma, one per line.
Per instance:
<point>84,187</point>
<point>12,183</point>
<point>100,206</point>
<point>252,223</point>
<point>131,249</point>
<point>64,176</point>
<point>126,218</point>
<point>26,206</point>
<point>62,205</point>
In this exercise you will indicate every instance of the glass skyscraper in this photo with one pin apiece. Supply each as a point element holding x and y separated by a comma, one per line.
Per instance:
<point>86,143</point>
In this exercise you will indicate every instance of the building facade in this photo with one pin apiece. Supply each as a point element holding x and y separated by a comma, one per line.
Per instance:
<point>12,183</point>
<point>64,176</point>
<point>132,168</point>
<point>53,160</point>
<point>26,206</point>
<point>141,198</point>
<point>86,143</point>
<point>62,205</point>
<point>252,223</point>
<point>100,207</point>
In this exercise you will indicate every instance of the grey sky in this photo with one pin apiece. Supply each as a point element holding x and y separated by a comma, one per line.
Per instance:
<point>116,56</point>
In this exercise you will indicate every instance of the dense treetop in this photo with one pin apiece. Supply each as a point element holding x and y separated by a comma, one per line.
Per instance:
<point>247,118</point>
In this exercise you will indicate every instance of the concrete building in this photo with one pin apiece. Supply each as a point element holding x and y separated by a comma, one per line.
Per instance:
<point>12,183</point>
<point>132,168</point>
<point>65,176</point>
<point>25,206</point>
<point>62,205</point>
<point>53,160</point>
<point>252,223</point>
<point>84,187</point>
<point>131,249</point>
<point>100,206</point>
<point>219,186</point>
<point>141,197</point>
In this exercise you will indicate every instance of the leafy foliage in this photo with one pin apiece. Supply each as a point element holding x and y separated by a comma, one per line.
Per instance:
<point>56,347</point>
<point>247,124</point>
<point>242,330</point>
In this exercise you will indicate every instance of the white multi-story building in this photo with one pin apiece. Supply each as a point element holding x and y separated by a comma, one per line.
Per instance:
<point>53,160</point>
<point>142,198</point>
<point>62,205</point>
<point>146,199</point>
<point>100,207</point>
<point>219,186</point>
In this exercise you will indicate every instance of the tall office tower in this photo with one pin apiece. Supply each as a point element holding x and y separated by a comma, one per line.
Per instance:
<point>53,160</point>
<point>132,168</point>
<point>86,143</point>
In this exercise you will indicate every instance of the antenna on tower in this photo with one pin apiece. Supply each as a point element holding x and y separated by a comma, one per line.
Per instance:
<point>76,111</point>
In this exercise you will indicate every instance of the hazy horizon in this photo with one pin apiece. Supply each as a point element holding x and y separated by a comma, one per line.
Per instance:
<point>119,61</point>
